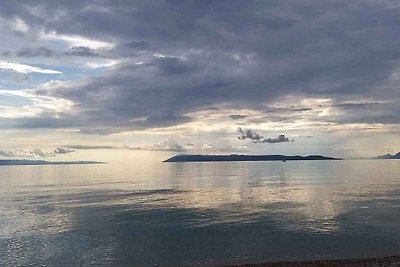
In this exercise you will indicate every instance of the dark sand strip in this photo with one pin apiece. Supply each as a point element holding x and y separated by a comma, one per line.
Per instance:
<point>370,262</point>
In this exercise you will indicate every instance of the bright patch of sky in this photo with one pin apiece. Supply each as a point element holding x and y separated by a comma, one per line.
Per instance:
<point>14,101</point>
<point>24,68</point>
<point>76,41</point>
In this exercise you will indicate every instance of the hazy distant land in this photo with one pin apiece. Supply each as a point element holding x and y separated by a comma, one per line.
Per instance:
<point>389,156</point>
<point>234,157</point>
<point>7,162</point>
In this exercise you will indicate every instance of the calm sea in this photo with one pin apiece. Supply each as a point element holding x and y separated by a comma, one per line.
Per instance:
<point>141,212</point>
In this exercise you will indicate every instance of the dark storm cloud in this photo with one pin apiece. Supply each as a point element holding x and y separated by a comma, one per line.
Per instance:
<point>83,51</point>
<point>256,138</point>
<point>237,116</point>
<point>280,139</point>
<point>187,56</point>
<point>249,134</point>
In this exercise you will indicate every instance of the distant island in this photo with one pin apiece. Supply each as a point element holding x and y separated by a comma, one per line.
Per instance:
<point>389,156</point>
<point>234,157</point>
<point>11,162</point>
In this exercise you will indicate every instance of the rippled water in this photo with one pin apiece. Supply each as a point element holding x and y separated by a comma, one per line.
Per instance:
<point>177,214</point>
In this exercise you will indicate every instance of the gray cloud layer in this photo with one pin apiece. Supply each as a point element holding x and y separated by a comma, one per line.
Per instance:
<point>169,145</point>
<point>194,55</point>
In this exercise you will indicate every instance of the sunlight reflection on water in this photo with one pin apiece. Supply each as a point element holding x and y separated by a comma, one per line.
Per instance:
<point>198,213</point>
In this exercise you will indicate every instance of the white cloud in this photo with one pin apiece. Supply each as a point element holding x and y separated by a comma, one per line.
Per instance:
<point>20,25</point>
<point>166,145</point>
<point>103,64</point>
<point>38,105</point>
<point>75,40</point>
<point>23,68</point>
<point>20,153</point>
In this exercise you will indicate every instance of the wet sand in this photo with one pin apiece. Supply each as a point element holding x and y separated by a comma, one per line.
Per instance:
<point>369,262</point>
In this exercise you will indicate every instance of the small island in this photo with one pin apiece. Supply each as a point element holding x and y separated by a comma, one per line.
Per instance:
<point>19,162</point>
<point>234,157</point>
<point>389,156</point>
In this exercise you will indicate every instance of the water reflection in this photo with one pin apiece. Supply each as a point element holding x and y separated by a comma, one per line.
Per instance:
<point>198,214</point>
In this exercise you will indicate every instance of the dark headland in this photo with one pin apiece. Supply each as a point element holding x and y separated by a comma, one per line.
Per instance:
<point>389,156</point>
<point>11,162</point>
<point>234,157</point>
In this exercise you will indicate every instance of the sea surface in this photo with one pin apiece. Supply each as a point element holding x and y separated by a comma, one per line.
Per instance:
<point>137,211</point>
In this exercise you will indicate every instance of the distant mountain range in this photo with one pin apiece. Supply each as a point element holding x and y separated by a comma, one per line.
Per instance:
<point>234,157</point>
<point>7,162</point>
<point>389,156</point>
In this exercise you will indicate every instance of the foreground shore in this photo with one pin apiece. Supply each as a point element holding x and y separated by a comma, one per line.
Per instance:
<point>369,262</point>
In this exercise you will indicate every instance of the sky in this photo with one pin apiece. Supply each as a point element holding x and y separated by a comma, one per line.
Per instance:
<point>251,77</point>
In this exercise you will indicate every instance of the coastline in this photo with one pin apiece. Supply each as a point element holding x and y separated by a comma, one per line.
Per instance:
<point>236,157</point>
<point>390,261</point>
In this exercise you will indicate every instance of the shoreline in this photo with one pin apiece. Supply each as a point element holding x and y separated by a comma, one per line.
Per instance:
<point>389,261</point>
<point>247,158</point>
